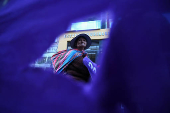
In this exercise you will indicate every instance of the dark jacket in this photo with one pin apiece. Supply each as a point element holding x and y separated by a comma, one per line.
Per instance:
<point>77,70</point>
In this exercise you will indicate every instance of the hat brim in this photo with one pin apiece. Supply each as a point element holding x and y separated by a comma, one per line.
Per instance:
<point>88,39</point>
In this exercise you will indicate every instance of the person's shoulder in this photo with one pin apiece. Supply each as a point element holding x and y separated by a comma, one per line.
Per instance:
<point>75,50</point>
<point>59,52</point>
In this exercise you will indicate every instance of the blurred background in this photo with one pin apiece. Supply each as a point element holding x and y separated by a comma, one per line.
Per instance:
<point>96,26</point>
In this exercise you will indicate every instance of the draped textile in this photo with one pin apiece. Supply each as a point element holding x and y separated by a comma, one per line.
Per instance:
<point>63,58</point>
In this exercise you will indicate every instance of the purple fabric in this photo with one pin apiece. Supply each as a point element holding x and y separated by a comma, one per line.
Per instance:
<point>92,67</point>
<point>134,66</point>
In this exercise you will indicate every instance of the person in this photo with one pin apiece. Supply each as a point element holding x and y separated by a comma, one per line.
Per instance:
<point>75,63</point>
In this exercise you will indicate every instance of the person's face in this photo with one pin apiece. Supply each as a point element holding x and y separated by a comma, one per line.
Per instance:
<point>81,42</point>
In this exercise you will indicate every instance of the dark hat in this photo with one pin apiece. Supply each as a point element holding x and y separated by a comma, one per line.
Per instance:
<point>88,39</point>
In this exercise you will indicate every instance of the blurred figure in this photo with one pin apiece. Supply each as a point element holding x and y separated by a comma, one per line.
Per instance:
<point>74,63</point>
